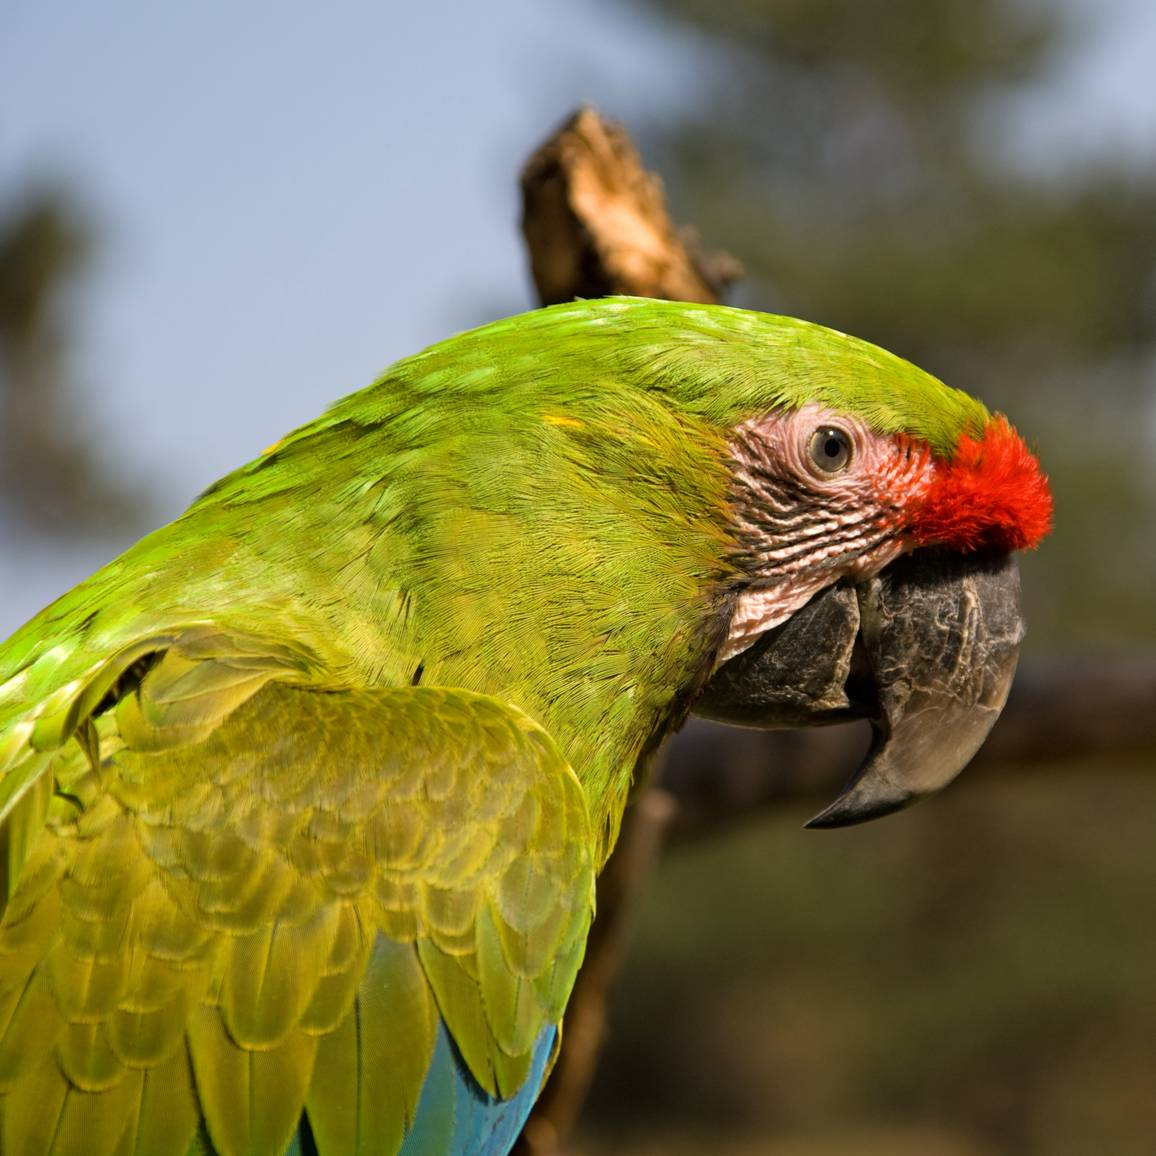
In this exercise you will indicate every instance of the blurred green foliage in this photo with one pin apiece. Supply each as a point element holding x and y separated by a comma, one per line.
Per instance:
<point>977,976</point>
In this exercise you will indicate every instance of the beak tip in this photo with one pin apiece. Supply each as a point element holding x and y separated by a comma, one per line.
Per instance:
<point>860,803</point>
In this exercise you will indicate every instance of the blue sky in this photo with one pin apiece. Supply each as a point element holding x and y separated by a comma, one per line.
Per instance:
<point>294,195</point>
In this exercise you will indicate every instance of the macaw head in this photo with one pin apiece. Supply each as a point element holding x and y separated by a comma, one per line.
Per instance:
<point>877,513</point>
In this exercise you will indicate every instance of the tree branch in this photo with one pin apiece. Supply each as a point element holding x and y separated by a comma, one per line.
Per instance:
<point>595,223</point>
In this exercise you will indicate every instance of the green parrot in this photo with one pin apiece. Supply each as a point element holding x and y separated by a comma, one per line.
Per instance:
<point>303,798</point>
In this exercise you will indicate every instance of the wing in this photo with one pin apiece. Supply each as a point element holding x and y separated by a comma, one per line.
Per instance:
<point>253,916</point>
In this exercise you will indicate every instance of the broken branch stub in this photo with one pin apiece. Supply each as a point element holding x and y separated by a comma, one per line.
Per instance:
<point>595,223</point>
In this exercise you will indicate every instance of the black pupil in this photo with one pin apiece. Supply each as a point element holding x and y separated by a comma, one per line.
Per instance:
<point>830,449</point>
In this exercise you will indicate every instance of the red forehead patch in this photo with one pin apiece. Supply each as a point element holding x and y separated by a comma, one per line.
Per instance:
<point>992,493</point>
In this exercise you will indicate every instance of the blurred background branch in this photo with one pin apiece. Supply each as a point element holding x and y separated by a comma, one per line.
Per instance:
<point>1056,715</point>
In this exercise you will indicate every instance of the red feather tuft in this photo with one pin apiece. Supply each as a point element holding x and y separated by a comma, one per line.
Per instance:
<point>991,493</point>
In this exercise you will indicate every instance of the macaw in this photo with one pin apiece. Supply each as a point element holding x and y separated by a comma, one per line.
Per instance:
<point>303,798</point>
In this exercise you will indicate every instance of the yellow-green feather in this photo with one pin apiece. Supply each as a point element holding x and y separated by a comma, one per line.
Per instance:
<point>290,901</point>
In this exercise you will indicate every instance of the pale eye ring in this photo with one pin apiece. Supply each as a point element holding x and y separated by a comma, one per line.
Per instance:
<point>830,449</point>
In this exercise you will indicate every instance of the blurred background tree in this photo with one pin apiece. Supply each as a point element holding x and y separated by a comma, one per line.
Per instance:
<point>976,977</point>
<point>51,479</point>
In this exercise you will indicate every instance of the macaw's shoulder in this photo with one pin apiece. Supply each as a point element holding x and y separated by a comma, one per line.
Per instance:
<point>250,911</point>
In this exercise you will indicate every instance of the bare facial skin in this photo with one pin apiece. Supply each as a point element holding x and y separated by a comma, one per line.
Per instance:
<point>818,496</point>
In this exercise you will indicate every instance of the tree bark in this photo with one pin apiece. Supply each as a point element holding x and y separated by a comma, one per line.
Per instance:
<point>596,224</point>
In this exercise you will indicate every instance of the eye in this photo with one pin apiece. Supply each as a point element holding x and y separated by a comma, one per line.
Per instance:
<point>830,449</point>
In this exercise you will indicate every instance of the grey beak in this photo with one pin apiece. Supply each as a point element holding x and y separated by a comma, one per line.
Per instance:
<point>926,650</point>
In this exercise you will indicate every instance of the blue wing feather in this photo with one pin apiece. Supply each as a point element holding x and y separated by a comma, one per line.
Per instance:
<point>456,1118</point>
